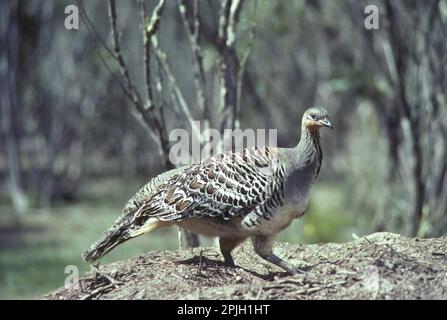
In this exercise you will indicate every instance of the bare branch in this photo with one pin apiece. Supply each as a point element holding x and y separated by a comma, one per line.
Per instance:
<point>91,28</point>
<point>228,65</point>
<point>149,29</point>
<point>97,40</point>
<point>233,19</point>
<point>158,130</point>
<point>118,55</point>
<point>243,63</point>
<point>159,85</point>
<point>223,20</point>
<point>193,30</point>
<point>177,94</point>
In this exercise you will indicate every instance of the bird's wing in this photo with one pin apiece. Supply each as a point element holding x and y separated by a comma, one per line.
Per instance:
<point>148,190</point>
<point>226,185</point>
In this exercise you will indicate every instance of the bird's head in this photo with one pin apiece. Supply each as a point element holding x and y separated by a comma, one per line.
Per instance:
<point>315,118</point>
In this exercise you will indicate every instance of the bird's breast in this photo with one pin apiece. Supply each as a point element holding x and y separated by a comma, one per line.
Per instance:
<point>283,216</point>
<point>215,227</point>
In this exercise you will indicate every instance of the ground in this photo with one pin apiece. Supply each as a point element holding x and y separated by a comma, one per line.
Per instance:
<point>37,247</point>
<point>377,266</point>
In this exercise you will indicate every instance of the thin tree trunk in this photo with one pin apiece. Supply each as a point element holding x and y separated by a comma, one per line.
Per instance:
<point>9,37</point>
<point>419,188</point>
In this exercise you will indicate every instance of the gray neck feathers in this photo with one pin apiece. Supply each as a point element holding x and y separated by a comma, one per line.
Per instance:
<point>309,150</point>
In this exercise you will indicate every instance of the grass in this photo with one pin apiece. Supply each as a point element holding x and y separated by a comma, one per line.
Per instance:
<point>36,248</point>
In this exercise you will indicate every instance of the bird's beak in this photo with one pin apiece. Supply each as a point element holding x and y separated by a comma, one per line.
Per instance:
<point>325,122</point>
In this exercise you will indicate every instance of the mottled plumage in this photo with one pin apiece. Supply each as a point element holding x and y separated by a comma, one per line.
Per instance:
<point>118,232</point>
<point>253,193</point>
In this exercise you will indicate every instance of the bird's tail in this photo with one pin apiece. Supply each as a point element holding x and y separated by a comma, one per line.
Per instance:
<point>123,229</point>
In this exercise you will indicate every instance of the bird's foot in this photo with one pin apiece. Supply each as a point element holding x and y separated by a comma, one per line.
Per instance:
<point>229,262</point>
<point>283,264</point>
<point>294,271</point>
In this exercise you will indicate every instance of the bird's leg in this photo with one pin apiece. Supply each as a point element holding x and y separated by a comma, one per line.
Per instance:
<point>263,247</point>
<point>226,246</point>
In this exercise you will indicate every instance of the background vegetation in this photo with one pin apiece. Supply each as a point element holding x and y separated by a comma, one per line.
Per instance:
<point>73,149</point>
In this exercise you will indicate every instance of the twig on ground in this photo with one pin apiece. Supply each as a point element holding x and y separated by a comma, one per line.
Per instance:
<point>199,269</point>
<point>112,280</point>
<point>97,291</point>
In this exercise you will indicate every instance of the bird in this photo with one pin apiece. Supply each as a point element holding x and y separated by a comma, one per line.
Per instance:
<point>250,193</point>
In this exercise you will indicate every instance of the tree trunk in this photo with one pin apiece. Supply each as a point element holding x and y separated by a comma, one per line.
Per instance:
<point>419,189</point>
<point>9,37</point>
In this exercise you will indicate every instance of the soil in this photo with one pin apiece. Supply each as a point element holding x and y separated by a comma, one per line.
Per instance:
<point>377,266</point>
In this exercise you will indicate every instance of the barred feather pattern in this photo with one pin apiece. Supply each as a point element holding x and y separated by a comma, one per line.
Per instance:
<point>255,192</point>
<point>232,184</point>
<point>315,140</point>
<point>120,230</point>
<point>149,190</point>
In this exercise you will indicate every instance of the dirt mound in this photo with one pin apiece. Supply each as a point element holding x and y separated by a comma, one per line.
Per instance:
<point>378,266</point>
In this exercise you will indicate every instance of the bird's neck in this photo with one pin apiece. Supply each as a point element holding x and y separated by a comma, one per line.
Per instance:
<point>309,149</point>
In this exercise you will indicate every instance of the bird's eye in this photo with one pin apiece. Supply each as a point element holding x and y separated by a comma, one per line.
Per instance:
<point>313,116</point>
